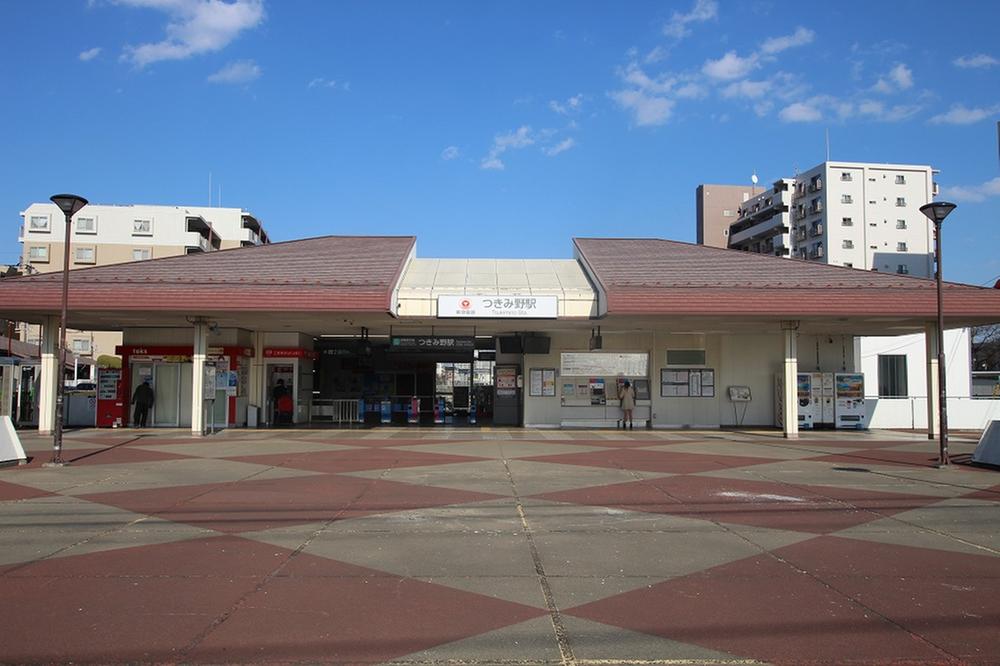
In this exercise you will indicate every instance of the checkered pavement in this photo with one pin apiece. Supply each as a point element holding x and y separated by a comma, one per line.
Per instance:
<point>499,546</point>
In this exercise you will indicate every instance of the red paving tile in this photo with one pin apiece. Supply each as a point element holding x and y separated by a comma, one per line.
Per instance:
<point>320,610</point>
<point>763,609</point>
<point>883,457</point>
<point>13,491</point>
<point>951,599</point>
<point>991,494</point>
<point>257,505</point>
<point>135,604</point>
<point>814,509</point>
<point>354,460</point>
<point>652,461</point>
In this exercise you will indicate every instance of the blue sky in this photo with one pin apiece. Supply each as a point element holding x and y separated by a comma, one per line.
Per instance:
<point>492,129</point>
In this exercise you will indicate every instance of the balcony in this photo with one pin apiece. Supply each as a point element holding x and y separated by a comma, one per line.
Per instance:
<point>200,236</point>
<point>816,208</point>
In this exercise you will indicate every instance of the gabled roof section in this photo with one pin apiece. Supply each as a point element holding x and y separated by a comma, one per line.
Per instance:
<point>651,276</point>
<point>328,273</point>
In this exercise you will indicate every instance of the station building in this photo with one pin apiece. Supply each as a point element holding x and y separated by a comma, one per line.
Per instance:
<point>359,329</point>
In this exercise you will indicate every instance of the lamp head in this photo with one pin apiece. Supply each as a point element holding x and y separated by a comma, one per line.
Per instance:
<point>936,211</point>
<point>69,204</point>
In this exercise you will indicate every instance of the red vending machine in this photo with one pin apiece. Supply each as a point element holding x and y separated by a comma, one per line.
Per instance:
<point>110,404</point>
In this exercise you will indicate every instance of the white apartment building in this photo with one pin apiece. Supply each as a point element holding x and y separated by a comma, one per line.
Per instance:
<point>102,234</point>
<point>865,216</point>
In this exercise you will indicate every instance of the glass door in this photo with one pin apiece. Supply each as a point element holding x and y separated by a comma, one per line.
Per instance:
<point>166,394</point>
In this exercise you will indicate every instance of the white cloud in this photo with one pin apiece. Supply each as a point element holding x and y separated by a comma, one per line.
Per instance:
<point>898,78</point>
<point>194,27</point>
<point>450,153</point>
<point>800,112</point>
<point>747,88</point>
<point>974,193</point>
<point>571,105</point>
<point>902,76</point>
<point>646,109</point>
<point>90,54</point>
<point>691,91</point>
<point>703,10</point>
<point>634,75</point>
<point>241,71</point>
<point>800,37</point>
<point>979,60</point>
<point>522,137</point>
<point>322,83</point>
<point>729,66</point>
<point>959,114</point>
<point>656,55</point>
<point>560,147</point>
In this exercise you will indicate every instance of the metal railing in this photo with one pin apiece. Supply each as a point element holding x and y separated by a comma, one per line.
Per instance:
<point>339,411</point>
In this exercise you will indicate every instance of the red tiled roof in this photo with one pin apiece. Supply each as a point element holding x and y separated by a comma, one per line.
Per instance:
<point>648,276</point>
<point>329,273</point>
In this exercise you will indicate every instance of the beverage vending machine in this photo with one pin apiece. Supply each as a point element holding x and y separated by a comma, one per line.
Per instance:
<point>850,400</point>
<point>823,398</point>
<point>808,405</point>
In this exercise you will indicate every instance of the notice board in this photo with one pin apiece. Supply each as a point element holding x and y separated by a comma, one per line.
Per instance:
<point>604,364</point>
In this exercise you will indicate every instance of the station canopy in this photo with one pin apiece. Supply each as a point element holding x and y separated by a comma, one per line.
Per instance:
<point>337,284</point>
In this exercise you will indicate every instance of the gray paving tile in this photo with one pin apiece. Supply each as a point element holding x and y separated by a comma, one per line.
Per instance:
<point>214,448</point>
<point>959,525</point>
<point>60,526</point>
<point>502,449</point>
<point>88,479</point>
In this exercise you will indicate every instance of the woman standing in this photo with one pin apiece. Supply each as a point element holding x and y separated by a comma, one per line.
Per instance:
<point>627,397</point>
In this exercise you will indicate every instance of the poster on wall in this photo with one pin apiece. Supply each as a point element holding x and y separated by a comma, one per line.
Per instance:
<point>549,382</point>
<point>535,382</point>
<point>687,383</point>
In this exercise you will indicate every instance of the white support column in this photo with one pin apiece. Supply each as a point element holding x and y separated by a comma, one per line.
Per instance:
<point>198,379</point>
<point>258,389</point>
<point>791,369</point>
<point>50,374</point>
<point>933,386</point>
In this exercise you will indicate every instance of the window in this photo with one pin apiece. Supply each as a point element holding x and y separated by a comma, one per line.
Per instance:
<point>727,213</point>
<point>142,227</point>
<point>846,198</point>
<point>901,246</point>
<point>848,244</point>
<point>847,222</point>
<point>902,269</point>
<point>846,176</point>
<point>83,255</point>
<point>685,357</point>
<point>38,253</point>
<point>900,202</point>
<point>892,376</point>
<point>38,223</point>
<point>141,253</point>
<point>81,346</point>
<point>86,225</point>
<point>900,224</point>
<point>900,179</point>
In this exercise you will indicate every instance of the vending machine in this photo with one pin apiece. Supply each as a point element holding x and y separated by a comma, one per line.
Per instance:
<point>808,405</point>
<point>803,400</point>
<point>823,397</point>
<point>850,400</point>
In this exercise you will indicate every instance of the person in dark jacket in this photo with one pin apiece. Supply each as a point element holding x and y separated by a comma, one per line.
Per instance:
<point>143,400</point>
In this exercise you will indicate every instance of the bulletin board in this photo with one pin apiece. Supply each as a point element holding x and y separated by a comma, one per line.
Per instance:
<point>542,382</point>
<point>687,383</point>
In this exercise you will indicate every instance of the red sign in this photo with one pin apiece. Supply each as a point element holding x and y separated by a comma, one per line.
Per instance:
<point>466,304</point>
<point>272,352</point>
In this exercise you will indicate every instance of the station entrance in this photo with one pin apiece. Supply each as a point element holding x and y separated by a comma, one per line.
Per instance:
<point>408,380</point>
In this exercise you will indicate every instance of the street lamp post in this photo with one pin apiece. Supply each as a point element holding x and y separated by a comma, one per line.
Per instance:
<point>69,204</point>
<point>936,211</point>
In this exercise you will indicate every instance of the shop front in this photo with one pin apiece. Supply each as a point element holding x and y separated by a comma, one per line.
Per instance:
<point>169,371</point>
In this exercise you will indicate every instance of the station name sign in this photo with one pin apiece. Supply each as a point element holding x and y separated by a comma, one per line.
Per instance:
<point>432,343</point>
<point>498,307</point>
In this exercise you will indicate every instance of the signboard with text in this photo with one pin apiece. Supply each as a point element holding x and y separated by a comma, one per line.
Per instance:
<point>498,307</point>
<point>432,343</point>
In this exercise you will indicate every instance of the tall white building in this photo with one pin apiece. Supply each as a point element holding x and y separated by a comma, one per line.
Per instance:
<point>102,234</point>
<point>864,216</point>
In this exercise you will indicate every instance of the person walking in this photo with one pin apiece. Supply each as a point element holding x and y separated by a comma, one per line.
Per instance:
<point>627,397</point>
<point>143,399</point>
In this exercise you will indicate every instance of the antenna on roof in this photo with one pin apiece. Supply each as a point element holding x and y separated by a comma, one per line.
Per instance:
<point>827,144</point>
<point>209,189</point>
<point>220,195</point>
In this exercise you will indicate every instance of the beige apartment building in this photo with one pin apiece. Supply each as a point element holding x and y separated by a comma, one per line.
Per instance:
<point>717,207</point>
<point>103,234</point>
